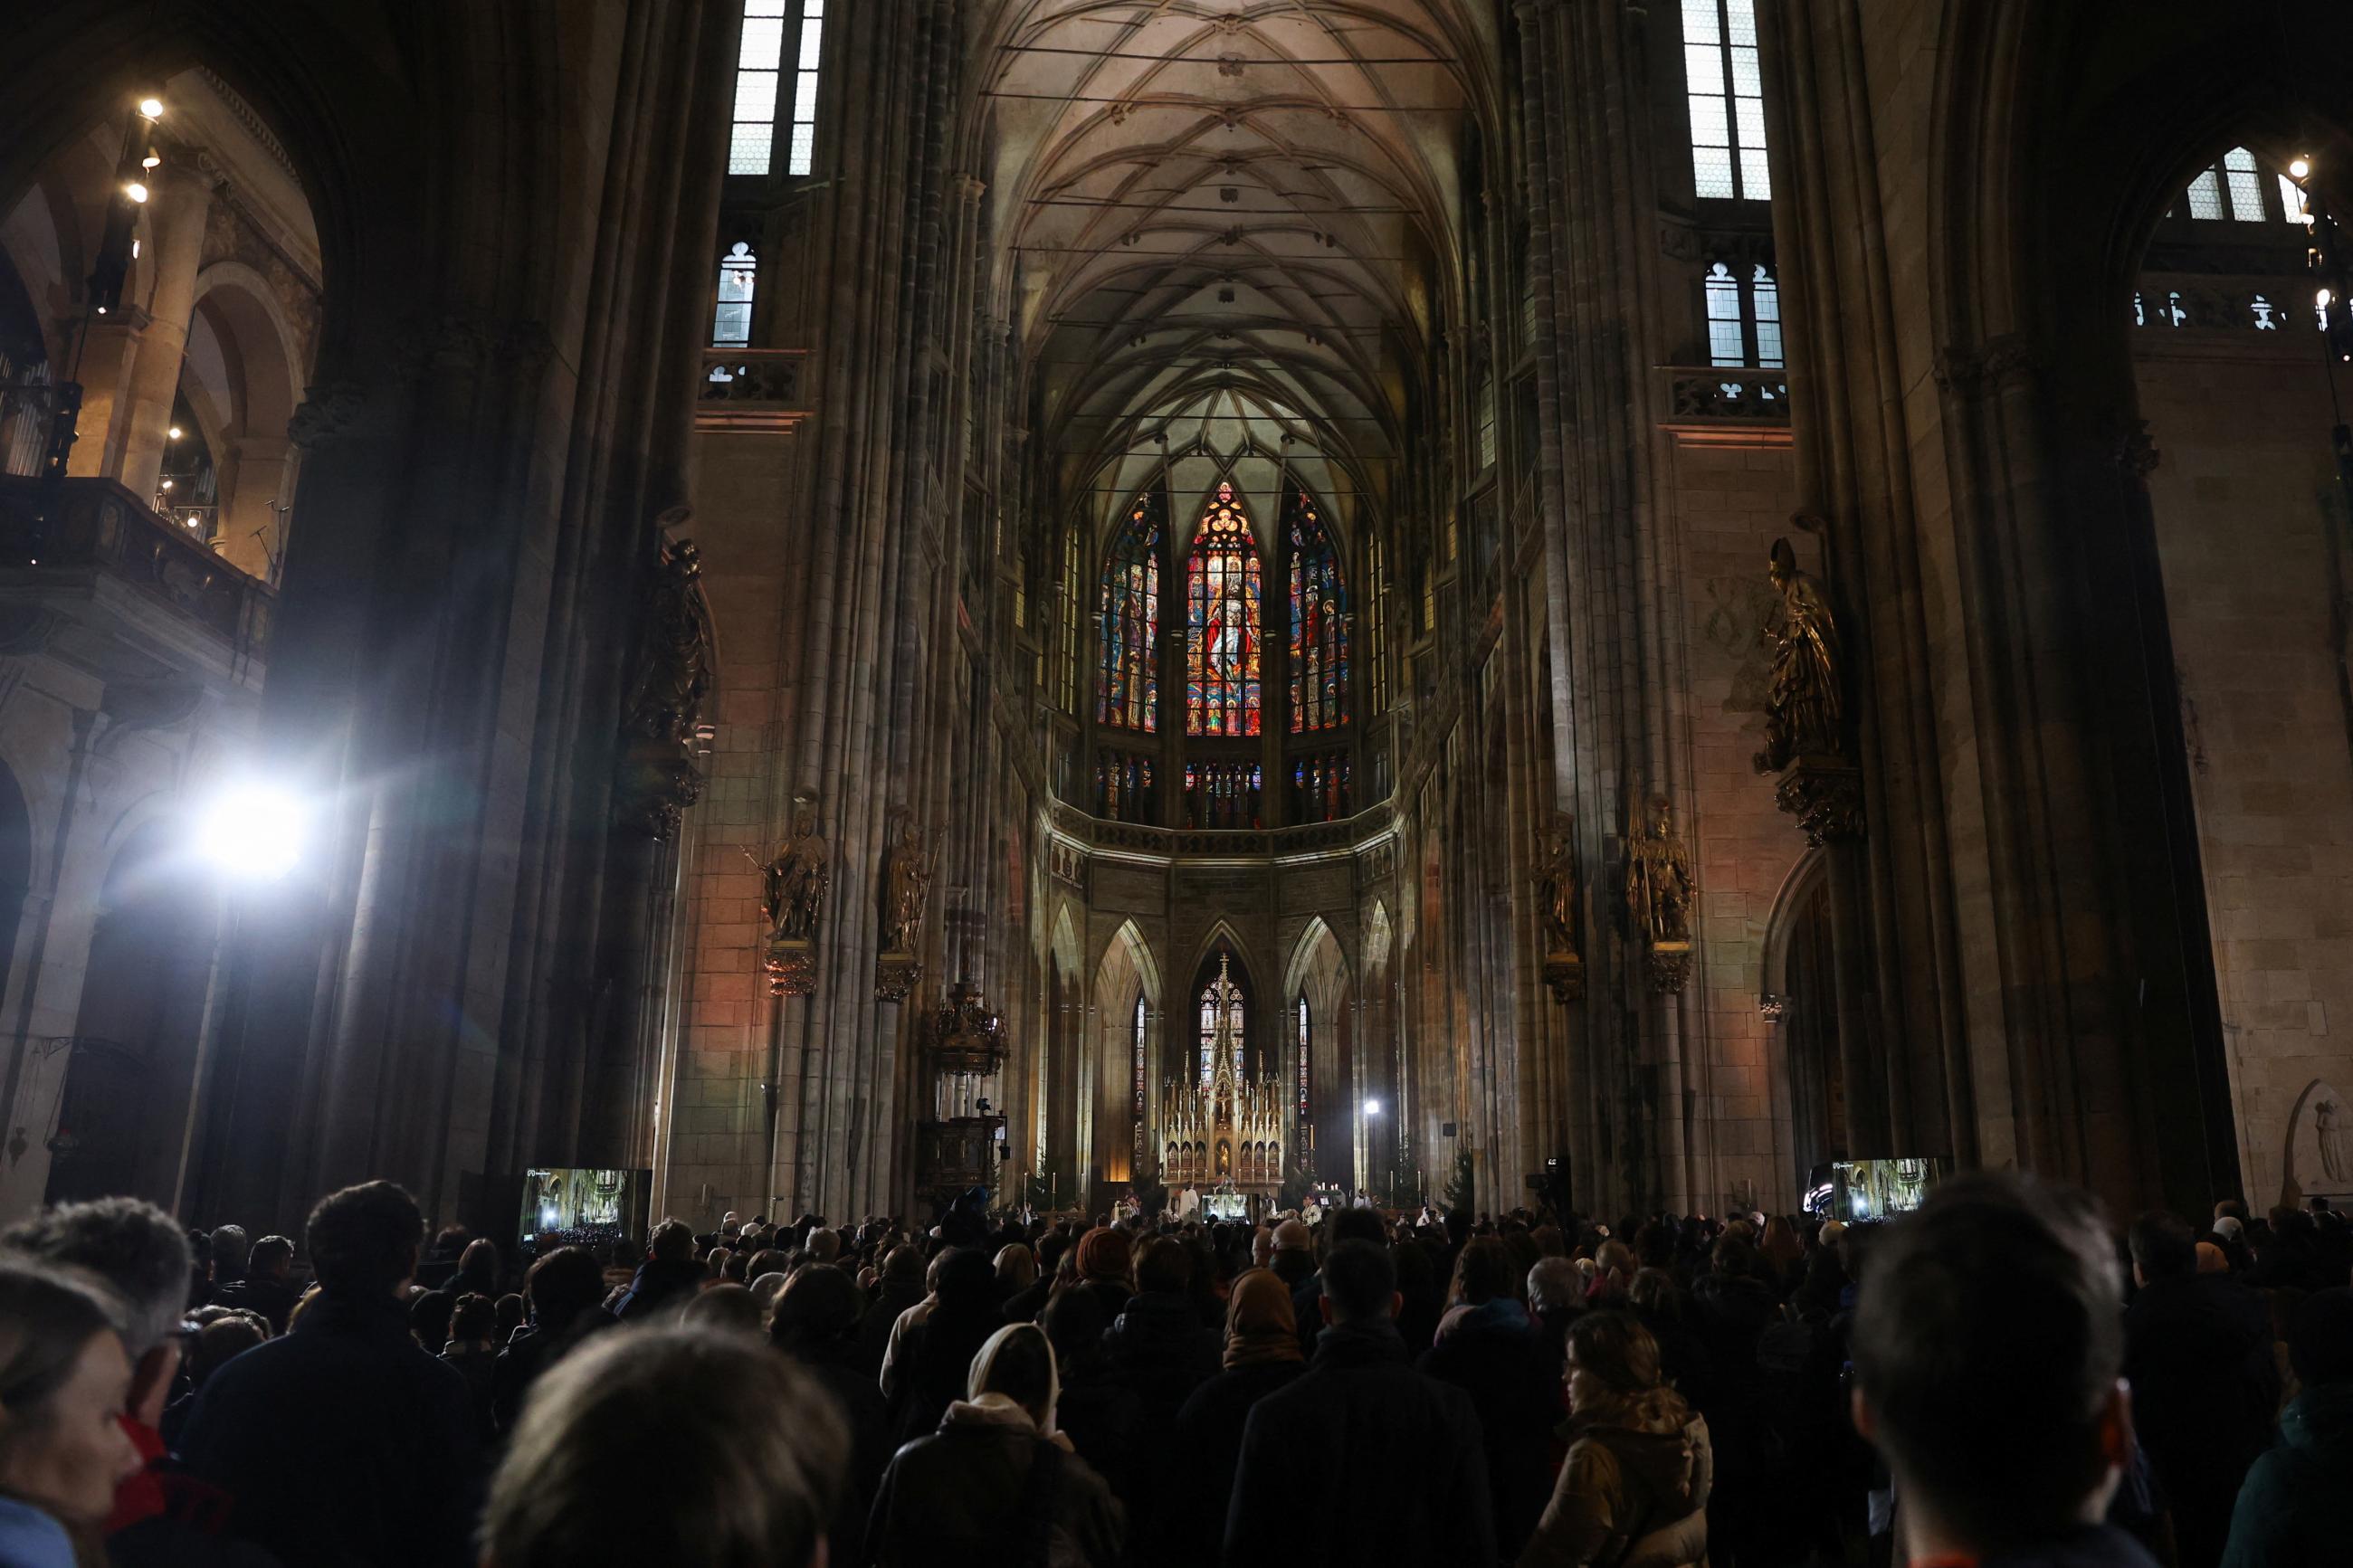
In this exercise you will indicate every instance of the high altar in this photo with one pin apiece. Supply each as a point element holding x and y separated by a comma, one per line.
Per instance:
<point>1231,1130</point>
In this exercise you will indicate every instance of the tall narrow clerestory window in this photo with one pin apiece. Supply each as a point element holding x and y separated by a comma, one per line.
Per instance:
<point>1222,593</point>
<point>1728,100</point>
<point>758,66</point>
<point>739,275</point>
<point>1319,622</point>
<point>802,154</point>
<point>1744,316</point>
<point>1306,1024</point>
<point>1128,680</point>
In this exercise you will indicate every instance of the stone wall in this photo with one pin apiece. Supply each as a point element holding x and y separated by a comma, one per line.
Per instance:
<point>2251,531</point>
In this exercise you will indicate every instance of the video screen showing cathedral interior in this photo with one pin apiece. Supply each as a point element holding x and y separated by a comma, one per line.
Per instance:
<point>1177,783</point>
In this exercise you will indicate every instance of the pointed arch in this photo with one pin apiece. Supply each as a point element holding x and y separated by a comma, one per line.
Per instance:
<point>1127,1011</point>
<point>1189,1035</point>
<point>1224,601</point>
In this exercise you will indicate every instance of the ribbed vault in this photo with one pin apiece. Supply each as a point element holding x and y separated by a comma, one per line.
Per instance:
<point>1223,228</point>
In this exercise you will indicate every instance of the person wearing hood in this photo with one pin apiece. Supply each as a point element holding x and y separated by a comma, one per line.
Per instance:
<point>1636,1481</point>
<point>1488,1347</point>
<point>1261,1355</point>
<point>2291,1508</point>
<point>997,1482</point>
<point>1362,1416</point>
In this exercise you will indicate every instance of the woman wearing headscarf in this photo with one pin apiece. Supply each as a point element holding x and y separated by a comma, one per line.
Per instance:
<point>1635,1484</point>
<point>996,1483</point>
<point>1261,1355</point>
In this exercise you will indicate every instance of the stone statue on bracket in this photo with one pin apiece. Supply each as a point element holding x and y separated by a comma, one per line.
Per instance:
<point>1658,895</point>
<point>1805,707</point>
<point>906,882</point>
<point>792,883</point>
<point>1555,881</point>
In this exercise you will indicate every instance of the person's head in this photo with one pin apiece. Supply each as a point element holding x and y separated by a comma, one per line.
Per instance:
<point>1017,1266</point>
<point>561,1286</point>
<point>510,1316</point>
<point>2162,1248</point>
<point>363,1240</point>
<point>1653,1292</point>
<point>1611,1368</point>
<point>221,1342</point>
<point>1357,1225</point>
<point>966,1285</point>
<point>1359,1284</point>
<point>228,1250</point>
<point>1016,1362</point>
<point>1106,1256</point>
<point>2230,1208</point>
<point>824,1246</point>
<point>1074,1319</point>
<point>1554,1285</point>
<point>473,1319</point>
<point>478,1266</point>
<point>671,1242</point>
<point>428,1317</point>
<point>1163,1267</point>
<point>819,1307</point>
<point>272,1259</point>
<point>1482,1272</point>
<point>1987,1345</point>
<point>2211,1260</point>
<point>2230,1227</point>
<point>64,1381</point>
<point>727,1306</point>
<point>643,1440</point>
<point>1262,1324</point>
<point>1261,1246</point>
<point>137,1251</point>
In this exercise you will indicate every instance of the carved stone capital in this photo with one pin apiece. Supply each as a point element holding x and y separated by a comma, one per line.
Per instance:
<point>895,975</point>
<point>1825,795</point>
<point>330,410</point>
<point>1773,1006</point>
<point>1983,369</point>
<point>1564,972</point>
<point>1670,966</point>
<point>791,966</point>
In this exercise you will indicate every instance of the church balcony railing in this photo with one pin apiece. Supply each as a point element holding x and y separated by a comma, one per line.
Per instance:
<point>1351,833</point>
<point>752,389</point>
<point>89,528</point>
<point>1710,398</point>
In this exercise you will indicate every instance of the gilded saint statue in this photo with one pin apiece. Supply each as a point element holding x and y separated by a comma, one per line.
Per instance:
<point>1659,880</point>
<point>794,880</point>
<point>1802,708</point>
<point>906,879</point>
<point>1556,891</point>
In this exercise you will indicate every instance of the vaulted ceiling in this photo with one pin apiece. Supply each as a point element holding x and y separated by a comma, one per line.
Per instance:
<point>1223,225</point>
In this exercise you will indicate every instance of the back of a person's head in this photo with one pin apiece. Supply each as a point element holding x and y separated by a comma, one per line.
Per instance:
<point>1074,1319</point>
<point>1734,1255</point>
<point>1360,1280</point>
<point>1987,1346</point>
<point>1616,1352</point>
<point>1357,1225</point>
<point>671,1242</point>
<point>480,1258</point>
<point>564,1284</point>
<point>904,1262</point>
<point>816,1307</point>
<point>1017,1362</point>
<point>1162,1264</point>
<point>1484,1271</point>
<point>2320,1337</point>
<point>129,1246</point>
<point>824,1246</point>
<point>474,1317</point>
<point>727,1306</point>
<point>681,1446</point>
<point>2163,1247</point>
<point>1553,1285</point>
<point>220,1342</point>
<point>270,1254</point>
<point>230,1249</point>
<point>363,1240</point>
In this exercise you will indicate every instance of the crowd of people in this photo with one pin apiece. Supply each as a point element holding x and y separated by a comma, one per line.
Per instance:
<point>1999,1378</point>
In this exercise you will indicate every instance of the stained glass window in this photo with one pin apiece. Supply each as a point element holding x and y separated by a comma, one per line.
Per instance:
<point>1319,788</point>
<point>738,274</point>
<point>1319,623</point>
<point>1221,795</point>
<point>1128,693</point>
<point>1123,791</point>
<point>1222,632</point>
<point>1137,1045</point>
<point>1234,1017</point>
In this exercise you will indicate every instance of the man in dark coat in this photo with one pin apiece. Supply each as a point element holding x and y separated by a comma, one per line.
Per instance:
<point>343,1443</point>
<point>1362,1415</point>
<point>900,1286</point>
<point>1159,1351</point>
<point>1261,1355</point>
<point>669,1276</point>
<point>2197,1353</point>
<point>268,1287</point>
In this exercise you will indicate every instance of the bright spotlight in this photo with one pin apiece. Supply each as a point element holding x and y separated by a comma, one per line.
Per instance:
<point>1372,1107</point>
<point>2299,167</point>
<point>253,832</point>
<point>135,190</point>
<point>150,108</point>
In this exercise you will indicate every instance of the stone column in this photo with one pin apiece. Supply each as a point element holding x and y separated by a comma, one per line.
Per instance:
<point>180,200</point>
